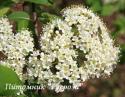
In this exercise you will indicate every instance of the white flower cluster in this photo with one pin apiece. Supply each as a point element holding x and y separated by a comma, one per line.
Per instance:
<point>14,46</point>
<point>73,50</point>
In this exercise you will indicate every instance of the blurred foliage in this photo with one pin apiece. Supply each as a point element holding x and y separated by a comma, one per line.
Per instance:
<point>95,5</point>
<point>21,18</point>
<point>120,25</point>
<point>28,13</point>
<point>47,17</point>
<point>7,76</point>
<point>44,2</point>
<point>106,9</point>
<point>3,11</point>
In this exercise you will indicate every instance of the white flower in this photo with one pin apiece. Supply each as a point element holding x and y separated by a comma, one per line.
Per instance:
<point>5,27</point>
<point>19,45</point>
<point>14,46</point>
<point>80,48</point>
<point>73,50</point>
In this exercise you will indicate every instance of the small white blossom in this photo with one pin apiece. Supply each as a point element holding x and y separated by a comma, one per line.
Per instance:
<point>14,46</point>
<point>80,48</point>
<point>73,50</point>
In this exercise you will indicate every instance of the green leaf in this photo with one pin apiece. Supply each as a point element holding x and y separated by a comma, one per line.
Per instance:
<point>8,76</point>
<point>95,5</point>
<point>5,6</point>
<point>43,2</point>
<point>16,1</point>
<point>120,24</point>
<point>121,4</point>
<point>91,2</point>
<point>21,18</point>
<point>19,15</point>
<point>47,17</point>
<point>108,9</point>
<point>23,24</point>
<point>5,3</point>
<point>3,11</point>
<point>120,21</point>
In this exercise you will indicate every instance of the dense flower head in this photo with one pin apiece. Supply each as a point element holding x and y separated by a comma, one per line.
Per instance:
<point>73,49</point>
<point>5,31</point>
<point>14,46</point>
<point>5,27</point>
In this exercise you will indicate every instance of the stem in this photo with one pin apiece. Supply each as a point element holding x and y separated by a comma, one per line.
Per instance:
<point>34,14</point>
<point>36,26</point>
